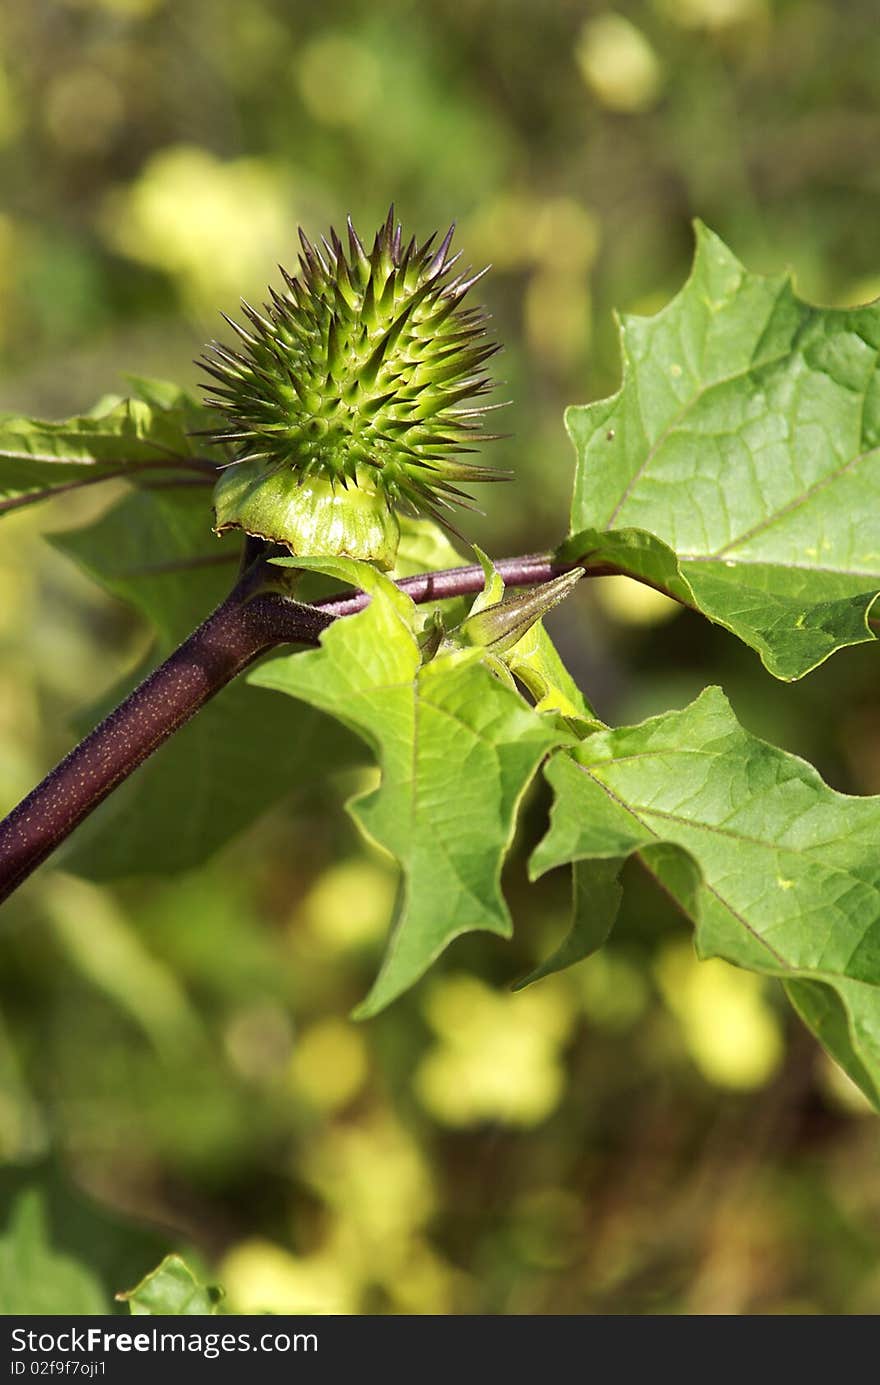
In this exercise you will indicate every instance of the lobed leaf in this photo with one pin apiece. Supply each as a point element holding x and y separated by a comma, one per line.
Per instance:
<point>140,438</point>
<point>457,751</point>
<point>738,467</point>
<point>779,873</point>
<point>172,1290</point>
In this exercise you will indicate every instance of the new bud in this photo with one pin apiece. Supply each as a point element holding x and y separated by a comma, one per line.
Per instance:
<point>498,628</point>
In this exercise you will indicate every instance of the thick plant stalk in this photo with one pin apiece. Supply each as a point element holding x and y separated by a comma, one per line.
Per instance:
<point>228,641</point>
<point>239,631</point>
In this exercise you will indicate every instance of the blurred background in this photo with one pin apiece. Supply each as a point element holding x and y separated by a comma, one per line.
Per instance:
<point>643,1134</point>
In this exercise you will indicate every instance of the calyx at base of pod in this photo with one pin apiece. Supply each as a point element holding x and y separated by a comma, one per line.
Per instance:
<point>312,515</point>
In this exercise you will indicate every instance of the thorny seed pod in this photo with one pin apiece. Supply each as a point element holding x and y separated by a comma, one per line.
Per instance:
<point>351,394</point>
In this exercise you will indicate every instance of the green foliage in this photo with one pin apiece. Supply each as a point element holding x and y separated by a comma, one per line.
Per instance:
<point>155,165</point>
<point>153,550</point>
<point>596,897</point>
<point>236,759</point>
<point>172,1290</point>
<point>744,451</point>
<point>747,425</point>
<point>134,438</point>
<point>457,750</point>
<point>34,1277</point>
<point>778,872</point>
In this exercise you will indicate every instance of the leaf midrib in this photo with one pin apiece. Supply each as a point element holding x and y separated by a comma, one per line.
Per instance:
<point>705,883</point>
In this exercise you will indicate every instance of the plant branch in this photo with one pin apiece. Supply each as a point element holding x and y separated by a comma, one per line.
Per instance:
<point>241,629</point>
<point>249,622</point>
<point>526,571</point>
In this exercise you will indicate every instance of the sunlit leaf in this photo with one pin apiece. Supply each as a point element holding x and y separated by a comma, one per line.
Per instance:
<point>137,439</point>
<point>172,1290</point>
<point>738,467</point>
<point>457,750</point>
<point>779,873</point>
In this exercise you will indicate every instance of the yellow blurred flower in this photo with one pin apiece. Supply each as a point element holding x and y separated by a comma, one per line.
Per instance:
<point>513,230</point>
<point>618,64</point>
<point>126,9</point>
<point>329,1064</point>
<point>557,238</point>
<point>260,1277</point>
<point>731,1033</point>
<point>498,1056</point>
<point>558,317</point>
<point>379,1195</point>
<point>374,1177</point>
<point>350,904</point>
<point>712,14</point>
<point>564,235</point>
<point>422,1281</point>
<point>213,226</point>
<point>632,603</point>
<point>501,229</point>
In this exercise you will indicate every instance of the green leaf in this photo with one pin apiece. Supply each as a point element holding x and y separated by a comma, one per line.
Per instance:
<point>738,467</point>
<point>36,1280</point>
<point>245,750</point>
<point>534,660</point>
<point>172,1290</point>
<point>425,547</point>
<point>779,873</point>
<point>138,439</point>
<point>156,551</point>
<point>169,397</point>
<point>457,750</point>
<point>242,753</point>
<point>596,896</point>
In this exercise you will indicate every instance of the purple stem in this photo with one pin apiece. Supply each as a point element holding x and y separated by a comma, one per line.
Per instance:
<point>245,626</point>
<point>527,571</point>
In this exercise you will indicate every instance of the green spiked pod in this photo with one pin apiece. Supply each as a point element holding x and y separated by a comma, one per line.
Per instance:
<point>351,394</point>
